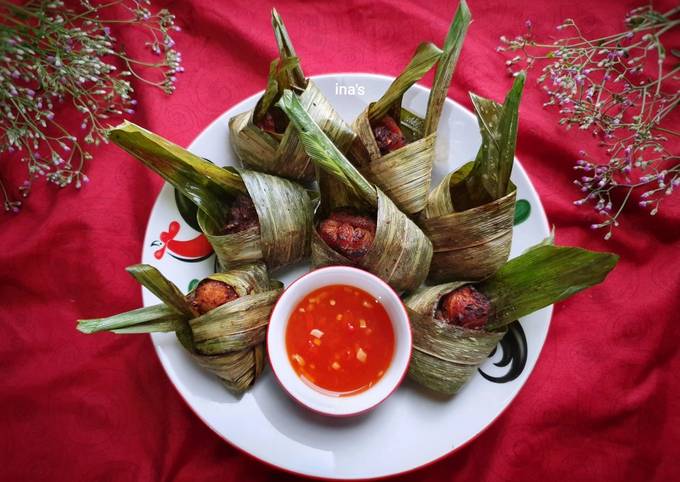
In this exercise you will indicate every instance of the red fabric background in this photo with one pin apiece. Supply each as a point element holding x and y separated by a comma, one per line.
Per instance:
<point>602,403</point>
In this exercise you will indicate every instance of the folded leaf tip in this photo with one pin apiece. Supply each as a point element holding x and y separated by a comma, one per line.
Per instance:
<point>84,326</point>
<point>135,267</point>
<point>463,13</point>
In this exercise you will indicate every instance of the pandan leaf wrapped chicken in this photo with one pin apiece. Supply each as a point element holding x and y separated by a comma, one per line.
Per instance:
<point>469,215</point>
<point>356,224</point>
<point>395,147</point>
<point>247,216</point>
<point>263,138</point>
<point>456,325</point>
<point>222,323</point>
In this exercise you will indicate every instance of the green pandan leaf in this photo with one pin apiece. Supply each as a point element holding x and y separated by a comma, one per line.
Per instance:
<point>153,327</point>
<point>286,52</point>
<point>489,178</point>
<point>453,44</point>
<point>522,211</point>
<point>206,184</point>
<point>542,276</point>
<point>140,320</point>
<point>426,55</point>
<point>277,82</point>
<point>163,288</point>
<point>285,72</point>
<point>323,152</point>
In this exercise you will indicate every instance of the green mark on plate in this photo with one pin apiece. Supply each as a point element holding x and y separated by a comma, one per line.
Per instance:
<point>522,211</point>
<point>192,285</point>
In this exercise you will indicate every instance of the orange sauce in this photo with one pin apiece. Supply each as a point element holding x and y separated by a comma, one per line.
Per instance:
<point>340,340</point>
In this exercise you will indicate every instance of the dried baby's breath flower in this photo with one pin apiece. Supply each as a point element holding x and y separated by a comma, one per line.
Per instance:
<point>54,59</point>
<point>622,88</point>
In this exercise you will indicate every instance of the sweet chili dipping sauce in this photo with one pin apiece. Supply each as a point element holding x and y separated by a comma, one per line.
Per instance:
<point>340,340</point>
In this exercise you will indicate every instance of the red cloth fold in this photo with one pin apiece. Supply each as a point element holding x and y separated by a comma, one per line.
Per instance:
<point>602,403</point>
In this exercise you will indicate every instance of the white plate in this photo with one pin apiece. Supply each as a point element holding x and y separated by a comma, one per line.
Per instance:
<point>412,426</point>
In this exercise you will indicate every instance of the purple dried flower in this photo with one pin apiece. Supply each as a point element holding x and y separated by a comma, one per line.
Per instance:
<point>566,67</point>
<point>85,44</point>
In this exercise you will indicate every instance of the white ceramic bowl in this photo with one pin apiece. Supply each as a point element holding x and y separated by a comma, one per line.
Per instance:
<point>303,392</point>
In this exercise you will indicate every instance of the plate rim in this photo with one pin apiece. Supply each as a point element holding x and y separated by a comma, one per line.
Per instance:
<point>550,309</point>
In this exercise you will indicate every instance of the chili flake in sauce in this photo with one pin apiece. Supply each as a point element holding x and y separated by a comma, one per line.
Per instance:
<point>340,339</point>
